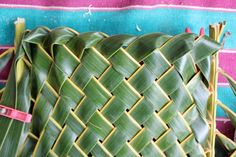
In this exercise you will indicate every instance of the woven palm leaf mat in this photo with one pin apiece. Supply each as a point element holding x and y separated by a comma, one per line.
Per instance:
<point>94,95</point>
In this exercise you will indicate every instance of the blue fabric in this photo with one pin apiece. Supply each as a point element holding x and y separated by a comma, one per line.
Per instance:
<point>117,22</point>
<point>226,95</point>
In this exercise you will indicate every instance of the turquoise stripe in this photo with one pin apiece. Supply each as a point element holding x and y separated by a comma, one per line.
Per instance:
<point>1,86</point>
<point>171,21</point>
<point>226,96</point>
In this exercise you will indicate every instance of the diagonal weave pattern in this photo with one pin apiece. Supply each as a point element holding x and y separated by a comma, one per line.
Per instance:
<point>118,96</point>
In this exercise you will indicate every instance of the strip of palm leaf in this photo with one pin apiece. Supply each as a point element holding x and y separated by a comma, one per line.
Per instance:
<point>111,96</point>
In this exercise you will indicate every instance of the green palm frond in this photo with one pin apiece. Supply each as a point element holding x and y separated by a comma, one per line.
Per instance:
<point>95,95</point>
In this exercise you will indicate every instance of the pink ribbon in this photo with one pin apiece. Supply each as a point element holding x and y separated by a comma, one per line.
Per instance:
<point>15,114</point>
<point>201,32</point>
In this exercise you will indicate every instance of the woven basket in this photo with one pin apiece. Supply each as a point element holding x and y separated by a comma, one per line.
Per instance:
<point>94,95</point>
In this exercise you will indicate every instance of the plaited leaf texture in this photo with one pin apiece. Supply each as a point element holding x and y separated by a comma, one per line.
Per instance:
<point>91,94</point>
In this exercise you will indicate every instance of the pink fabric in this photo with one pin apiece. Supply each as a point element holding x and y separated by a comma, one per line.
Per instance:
<point>226,58</point>
<point>225,126</point>
<point>123,3</point>
<point>15,114</point>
